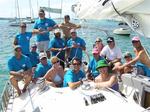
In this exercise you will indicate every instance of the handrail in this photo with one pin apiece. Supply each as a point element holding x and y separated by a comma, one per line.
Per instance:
<point>4,99</point>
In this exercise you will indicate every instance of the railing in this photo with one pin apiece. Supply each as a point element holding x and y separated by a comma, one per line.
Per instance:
<point>6,94</point>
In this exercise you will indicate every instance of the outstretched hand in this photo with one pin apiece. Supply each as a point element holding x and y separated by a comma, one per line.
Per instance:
<point>118,68</point>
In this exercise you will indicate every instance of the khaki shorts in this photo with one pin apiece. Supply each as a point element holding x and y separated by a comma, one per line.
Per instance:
<point>43,45</point>
<point>18,78</point>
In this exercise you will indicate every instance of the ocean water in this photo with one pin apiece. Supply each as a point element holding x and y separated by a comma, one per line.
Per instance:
<point>90,31</point>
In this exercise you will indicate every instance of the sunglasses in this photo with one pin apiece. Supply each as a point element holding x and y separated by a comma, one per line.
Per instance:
<point>56,62</point>
<point>109,42</point>
<point>44,58</point>
<point>98,41</point>
<point>23,26</point>
<point>18,50</point>
<point>126,56</point>
<point>41,14</point>
<point>135,41</point>
<point>76,64</point>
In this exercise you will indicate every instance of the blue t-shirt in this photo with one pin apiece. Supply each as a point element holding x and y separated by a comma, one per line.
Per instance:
<point>70,76</point>
<point>15,64</point>
<point>43,24</point>
<point>57,43</point>
<point>92,66</point>
<point>76,52</point>
<point>34,58</point>
<point>23,40</point>
<point>41,69</point>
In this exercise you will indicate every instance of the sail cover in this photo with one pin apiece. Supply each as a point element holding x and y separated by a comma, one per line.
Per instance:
<point>52,10</point>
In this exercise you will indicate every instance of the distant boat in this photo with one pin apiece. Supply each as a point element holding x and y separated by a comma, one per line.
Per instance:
<point>28,20</point>
<point>16,21</point>
<point>122,31</point>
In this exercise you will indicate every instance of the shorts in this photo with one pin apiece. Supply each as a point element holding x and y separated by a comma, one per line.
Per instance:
<point>19,78</point>
<point>43,46</point>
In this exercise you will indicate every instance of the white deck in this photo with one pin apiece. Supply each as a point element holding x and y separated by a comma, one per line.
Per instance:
<point>66,100</point>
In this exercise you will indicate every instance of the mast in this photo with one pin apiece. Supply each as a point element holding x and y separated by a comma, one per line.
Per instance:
<point>18,10</point>
<point>61,8</point>
<point>31,10</point>
<point>49,7</point>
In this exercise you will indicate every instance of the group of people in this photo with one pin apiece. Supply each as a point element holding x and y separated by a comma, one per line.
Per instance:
<point>50,61</point>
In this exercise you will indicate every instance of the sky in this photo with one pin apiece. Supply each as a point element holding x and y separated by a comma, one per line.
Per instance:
<point>7,7</point>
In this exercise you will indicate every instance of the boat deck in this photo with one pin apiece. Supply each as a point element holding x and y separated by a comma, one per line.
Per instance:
<point>79,100</point>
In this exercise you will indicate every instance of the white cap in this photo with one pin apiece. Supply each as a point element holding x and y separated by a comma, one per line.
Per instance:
<point>72,31</point>
<point>57,31</point>
<point>42,55</point>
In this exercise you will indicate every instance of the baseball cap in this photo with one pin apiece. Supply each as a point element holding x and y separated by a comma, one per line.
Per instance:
<point>110,39</point>
<point>33,45</point>
<point>57,31</point>
<point>135,38</point>
<point>42,55</point>
<point>16,47</point>
<point>95,51</point>
<point>72,31</point>
<point>101,64</point>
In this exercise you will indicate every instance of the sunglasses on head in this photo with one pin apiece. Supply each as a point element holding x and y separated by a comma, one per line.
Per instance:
<point>56,62</point>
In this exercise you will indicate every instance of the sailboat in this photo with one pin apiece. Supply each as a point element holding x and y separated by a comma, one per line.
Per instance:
<point>16,21</point>
<point>29,20</point>
<point>42,97</point>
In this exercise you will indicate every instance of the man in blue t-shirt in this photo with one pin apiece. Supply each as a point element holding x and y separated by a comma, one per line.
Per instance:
<point>42,27</point>
<point>23,39</point>
<point>42,67</point>
<point>19,69</point>
<point>76,44</point>
<point>73,77</point>
<point>34,56</point>
<point>92,72</point>
<point>57,45</point>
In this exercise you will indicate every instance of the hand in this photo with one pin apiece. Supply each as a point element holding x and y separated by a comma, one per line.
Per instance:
<point>49,28</point>
<point>89,76</point>
<point>75,45</point>
<point>118,68</point>
<point>42,32</point>
<point>60,49</point>
<point>21,74</point>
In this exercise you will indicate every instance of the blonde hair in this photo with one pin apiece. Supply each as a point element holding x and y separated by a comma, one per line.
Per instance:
<point>54,59</point>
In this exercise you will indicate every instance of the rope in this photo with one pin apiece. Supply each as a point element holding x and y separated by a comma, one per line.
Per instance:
<point>115,8</point>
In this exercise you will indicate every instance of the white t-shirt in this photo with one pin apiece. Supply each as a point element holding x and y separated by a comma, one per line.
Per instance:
<point>111,54</point>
